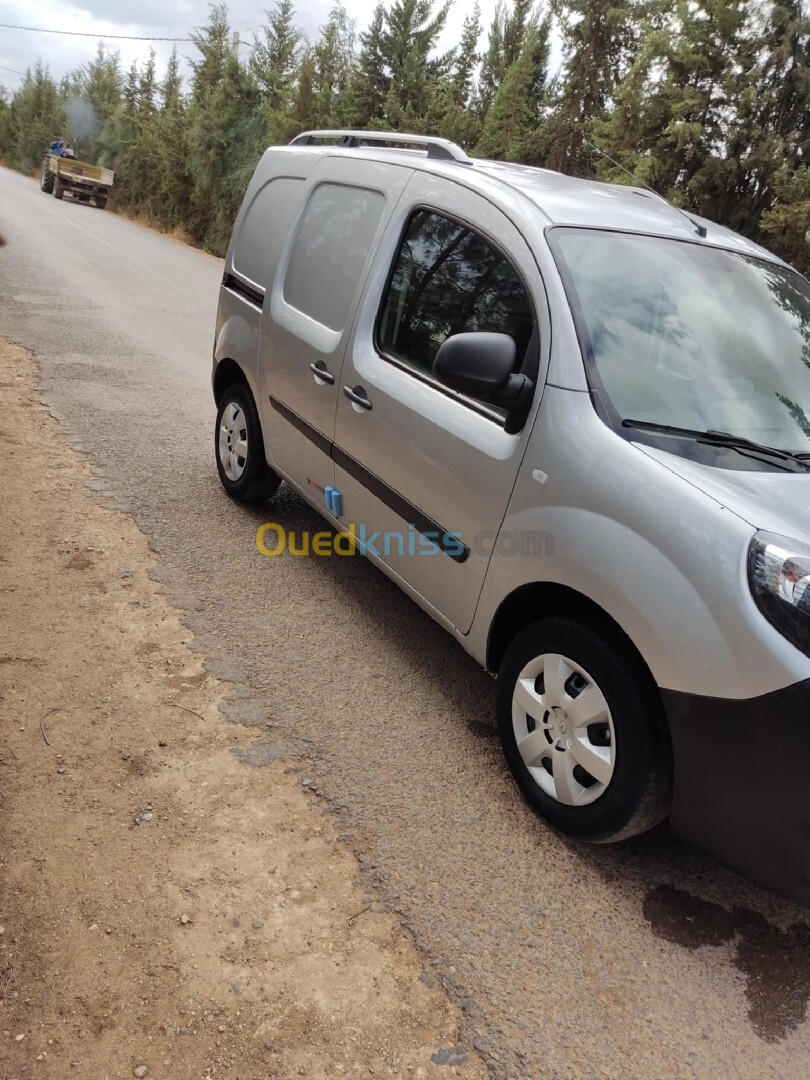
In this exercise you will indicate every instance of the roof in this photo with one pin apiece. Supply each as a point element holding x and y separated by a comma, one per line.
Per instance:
<point>570,200</point>
<point>560,199</point>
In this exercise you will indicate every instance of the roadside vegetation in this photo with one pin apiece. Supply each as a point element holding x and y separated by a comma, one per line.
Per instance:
<point>708,102</point>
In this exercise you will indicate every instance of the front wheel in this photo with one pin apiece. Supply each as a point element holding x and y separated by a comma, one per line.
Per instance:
<point>583,731</point>
<point>239,447</point>
<point>58,190</point>
<point>46,182</point>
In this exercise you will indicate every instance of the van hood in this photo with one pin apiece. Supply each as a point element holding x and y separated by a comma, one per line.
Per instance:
<point>776,502</point>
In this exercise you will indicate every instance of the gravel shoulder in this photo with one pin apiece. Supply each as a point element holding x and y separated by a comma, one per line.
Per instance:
<point>166,911</point>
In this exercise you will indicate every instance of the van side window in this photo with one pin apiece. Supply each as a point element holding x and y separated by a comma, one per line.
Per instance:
<point>264,229</point>
<point>331,247</point>
<point>446,280</point>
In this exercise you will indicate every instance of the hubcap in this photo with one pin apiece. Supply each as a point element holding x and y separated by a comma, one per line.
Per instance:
<point>563,730</point>
<point>233,442</point>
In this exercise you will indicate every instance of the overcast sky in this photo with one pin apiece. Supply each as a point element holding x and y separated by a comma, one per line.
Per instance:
<point>19,49</point>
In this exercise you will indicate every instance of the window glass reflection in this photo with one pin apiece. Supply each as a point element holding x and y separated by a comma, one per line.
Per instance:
<point>695,337</point>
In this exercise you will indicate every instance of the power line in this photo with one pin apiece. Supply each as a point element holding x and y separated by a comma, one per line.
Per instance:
<point>86,33</point>
<point>20,73</point>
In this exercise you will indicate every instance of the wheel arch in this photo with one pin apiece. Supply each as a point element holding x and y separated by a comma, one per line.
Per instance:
<point>546,599</point>
<point>226,373</point>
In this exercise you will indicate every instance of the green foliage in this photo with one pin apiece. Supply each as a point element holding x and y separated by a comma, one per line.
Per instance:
<point>514,122</point>
<point>276,56</point>
<point>6,130</point>
<point>492,67</point>
<point>708,101</point>
<point>333,62</point>
<point>600,39</point>
<point>467,60</point>
<point>369,86</point>
<point>410,35</point>
<point>682,100</point>
<point>225,129</point>
<point>35,116</point>
<point>787,222</point>
<point>170,135</point>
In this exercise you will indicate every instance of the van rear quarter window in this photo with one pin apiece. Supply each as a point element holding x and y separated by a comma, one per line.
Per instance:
<point>330,250</point>
<point>265,228</point>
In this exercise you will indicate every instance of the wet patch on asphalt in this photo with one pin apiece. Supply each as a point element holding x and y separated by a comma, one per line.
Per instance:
<point>775,963</point>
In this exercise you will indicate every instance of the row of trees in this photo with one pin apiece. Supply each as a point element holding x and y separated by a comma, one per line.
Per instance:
<point>708,101</point>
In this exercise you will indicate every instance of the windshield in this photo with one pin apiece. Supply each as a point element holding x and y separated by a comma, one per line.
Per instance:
<point>690,336</point>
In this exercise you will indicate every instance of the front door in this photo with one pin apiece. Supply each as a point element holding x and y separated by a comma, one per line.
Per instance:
<point>425,473</point>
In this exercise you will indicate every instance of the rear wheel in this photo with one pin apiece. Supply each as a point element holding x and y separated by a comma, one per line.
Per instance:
<point>101,201</point>
<point>47,179</point>
<point>583,731</point>
<point>239,448</point>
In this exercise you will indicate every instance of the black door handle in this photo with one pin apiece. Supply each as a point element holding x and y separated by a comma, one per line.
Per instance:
<point>321,373</point>
<point>357,396</point>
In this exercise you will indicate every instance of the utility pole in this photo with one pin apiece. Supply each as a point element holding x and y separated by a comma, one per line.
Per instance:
<point>235,44</point>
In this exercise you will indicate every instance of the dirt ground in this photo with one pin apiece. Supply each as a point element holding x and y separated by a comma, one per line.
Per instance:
<point>166,910</point>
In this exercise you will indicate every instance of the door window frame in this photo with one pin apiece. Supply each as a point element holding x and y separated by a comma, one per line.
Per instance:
<point>530,365</point>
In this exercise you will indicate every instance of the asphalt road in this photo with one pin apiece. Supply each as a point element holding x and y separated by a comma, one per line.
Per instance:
<point>646,960</point>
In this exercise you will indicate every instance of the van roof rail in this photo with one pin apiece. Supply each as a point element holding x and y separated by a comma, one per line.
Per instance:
<point>436,148</point>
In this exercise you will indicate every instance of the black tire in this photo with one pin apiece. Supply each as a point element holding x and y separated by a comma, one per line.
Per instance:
<point>58,190</point>
<point>638,793</point>
<point>46,183</point>
<point>101,201</point>
<point>256,480</point>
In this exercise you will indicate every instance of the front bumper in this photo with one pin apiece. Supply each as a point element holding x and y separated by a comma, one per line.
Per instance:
<point>742,783</point>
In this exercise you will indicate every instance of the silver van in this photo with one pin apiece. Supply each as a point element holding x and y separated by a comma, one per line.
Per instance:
<point>572,422</point>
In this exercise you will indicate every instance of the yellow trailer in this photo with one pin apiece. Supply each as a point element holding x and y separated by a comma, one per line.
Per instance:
<point>62,174</point>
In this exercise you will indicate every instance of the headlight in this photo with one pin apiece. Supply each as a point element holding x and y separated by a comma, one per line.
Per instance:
<point>779,572</point>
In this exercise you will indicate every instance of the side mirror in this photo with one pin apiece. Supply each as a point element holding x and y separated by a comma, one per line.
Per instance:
<point>477,364</point>
<point>480,365</point>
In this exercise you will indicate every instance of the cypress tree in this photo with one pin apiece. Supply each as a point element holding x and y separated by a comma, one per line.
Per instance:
<point>516,26</point>
<point>492,69</point>
<point>468,58</point>
<point>787,223</point>
<point>332,69</point>
<point>305,107</point>
<point>411,32</point>
<point>511,127</point>
<point>276,56</point>
<point>171,138</point>
<point>34,117</point>
<point>600,38</point>
<point>369,87</point>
